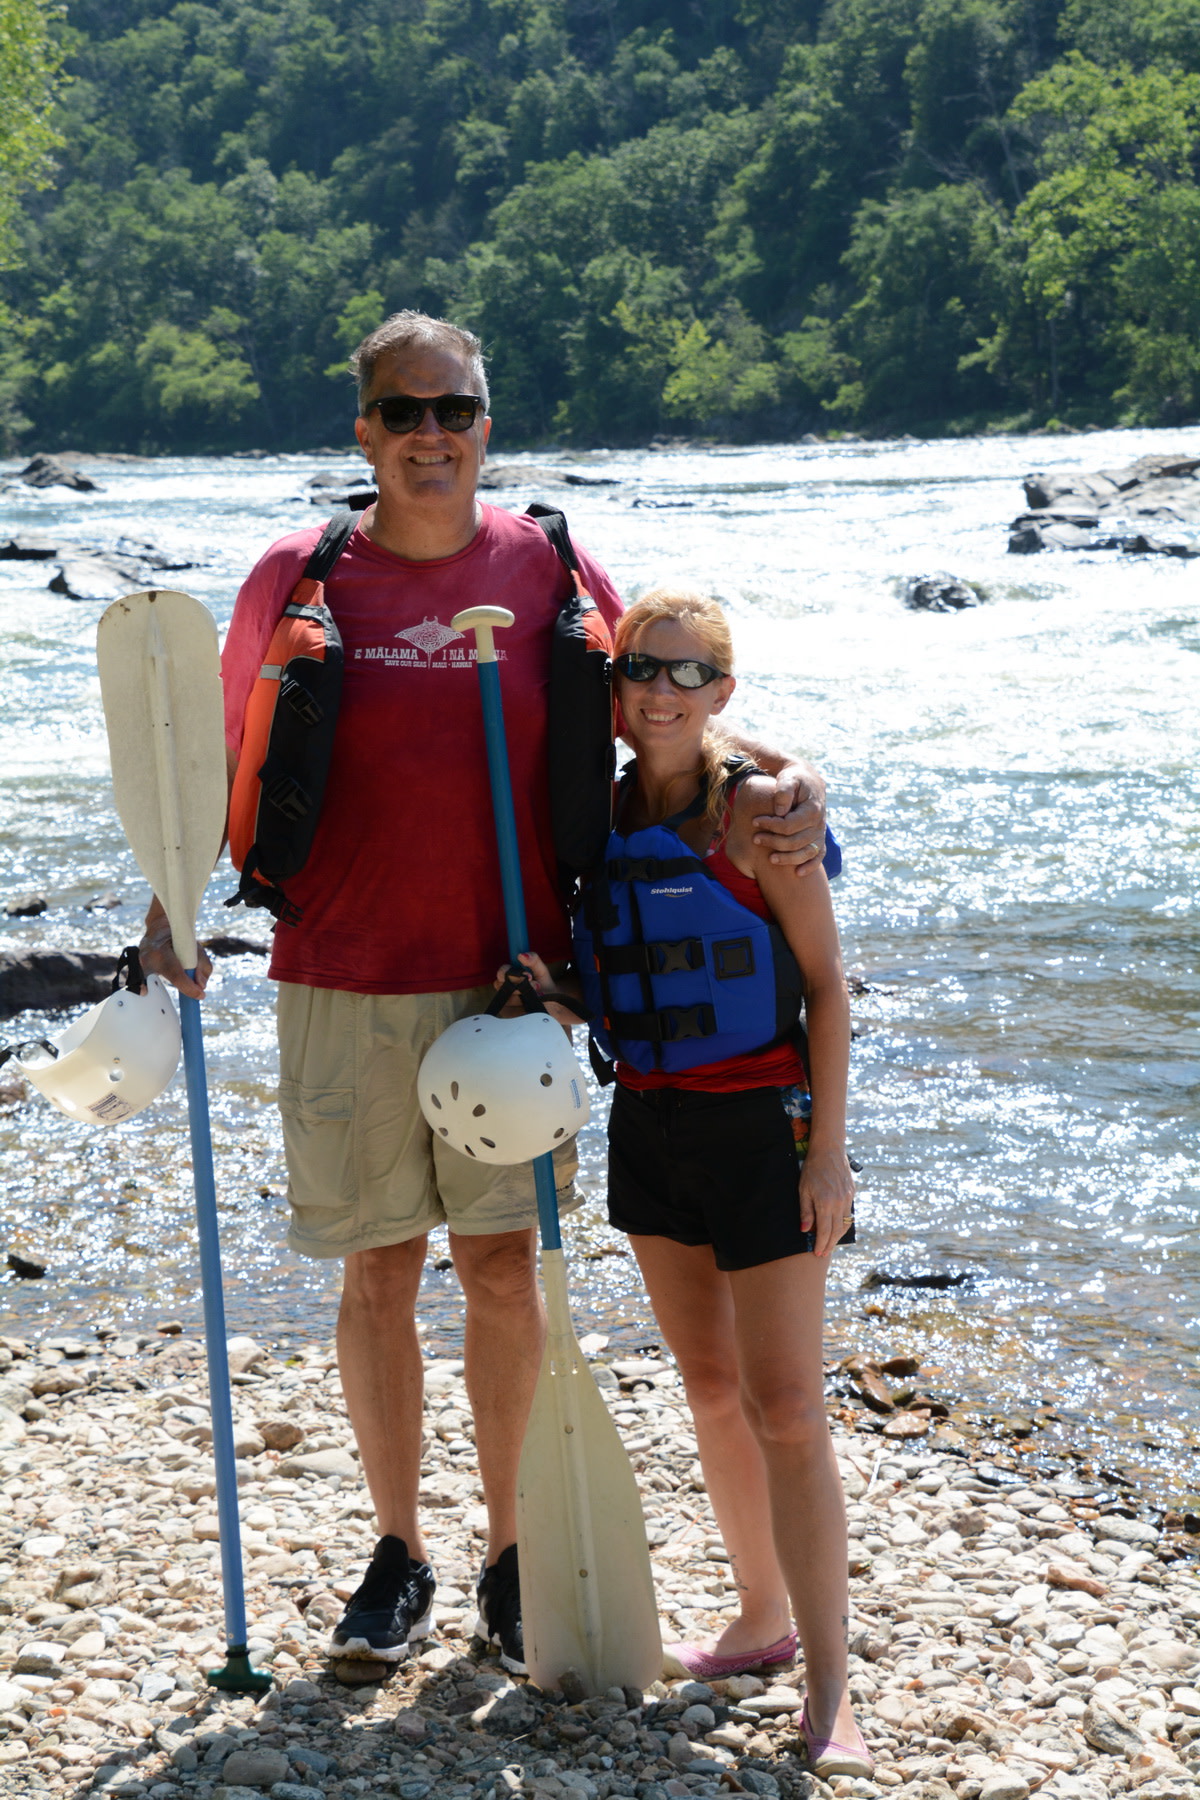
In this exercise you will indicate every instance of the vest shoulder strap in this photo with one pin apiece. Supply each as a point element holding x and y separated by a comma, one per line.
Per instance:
<point>554,524</point>
<point>329,546</point>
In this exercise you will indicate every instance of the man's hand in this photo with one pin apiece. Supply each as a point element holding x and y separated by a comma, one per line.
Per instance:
<point>795,831</point>
<point>156,953</point>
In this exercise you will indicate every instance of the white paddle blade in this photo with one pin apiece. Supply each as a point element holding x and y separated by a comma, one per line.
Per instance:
<point>587,1593</point>
<point>160,679</point>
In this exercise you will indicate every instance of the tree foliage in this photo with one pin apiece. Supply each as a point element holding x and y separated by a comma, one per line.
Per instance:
<point>30,64</point>
<point>756,217</point>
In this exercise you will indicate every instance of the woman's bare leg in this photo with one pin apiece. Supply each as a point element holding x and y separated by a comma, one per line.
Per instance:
<point>693,1304</point>
<point>778,1311</point>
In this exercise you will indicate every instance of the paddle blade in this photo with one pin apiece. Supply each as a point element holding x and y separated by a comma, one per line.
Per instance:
<point>160,679</point>
<point>587,1593</point>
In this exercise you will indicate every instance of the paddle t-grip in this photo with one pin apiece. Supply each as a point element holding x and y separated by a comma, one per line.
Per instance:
<point>483,620</point>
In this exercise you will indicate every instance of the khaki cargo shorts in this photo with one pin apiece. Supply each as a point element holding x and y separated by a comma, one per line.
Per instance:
<point>364,1169</point>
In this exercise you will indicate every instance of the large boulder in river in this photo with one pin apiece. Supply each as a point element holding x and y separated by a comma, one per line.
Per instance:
<point>940,593</point>
<point>150,556</point>
<point>28,548</point>
<point>353,490</point>
<point>1030,532</point>
<point>514,475</point>
<point>82,577</point>
<point>47,471</point>
<point>1071,510</point>
<point>134,555</point>
<point>1158,487</point>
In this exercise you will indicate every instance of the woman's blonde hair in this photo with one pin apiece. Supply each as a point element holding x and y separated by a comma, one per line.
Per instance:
<point>703,616</point>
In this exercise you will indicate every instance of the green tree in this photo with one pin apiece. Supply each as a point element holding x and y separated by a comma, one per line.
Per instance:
<point>30,74</point>
<point>836,134</point>
<point>619,348</point>
<point>1141,33</point>
<point>720,372</point>
<point>931,270</point>
<point>1117,150</point>
<point>198,376</point>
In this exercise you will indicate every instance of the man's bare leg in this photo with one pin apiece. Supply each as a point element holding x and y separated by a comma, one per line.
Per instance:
<point>379,1358</point>
<point>505,1331</point>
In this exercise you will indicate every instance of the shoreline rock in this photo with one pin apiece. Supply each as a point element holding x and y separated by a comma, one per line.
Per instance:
<point>1007,1637</point>
<point>49,980</point>
<point>42,980</point>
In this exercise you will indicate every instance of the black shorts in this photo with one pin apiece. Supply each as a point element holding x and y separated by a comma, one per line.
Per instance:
<point>719,1169</point>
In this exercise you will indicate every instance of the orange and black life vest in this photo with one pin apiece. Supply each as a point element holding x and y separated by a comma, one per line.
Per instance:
<point>287,737</point>
<point>291,717</point>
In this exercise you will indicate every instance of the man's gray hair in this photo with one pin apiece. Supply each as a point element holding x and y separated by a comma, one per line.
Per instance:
<point>410,330</point>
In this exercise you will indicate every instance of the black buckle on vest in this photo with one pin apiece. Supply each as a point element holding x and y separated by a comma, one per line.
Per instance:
<point>301,701</point>
<point>679,1022</point>
<point>676,958</point>
<point>658,958</point>
<point>257,893</point>
<point>732,957</point>
<point>288,797</point>
<point>626,868</point>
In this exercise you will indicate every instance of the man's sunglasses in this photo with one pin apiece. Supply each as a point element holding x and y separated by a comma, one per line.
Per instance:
<point>684,671</point>
<point>404,412</point>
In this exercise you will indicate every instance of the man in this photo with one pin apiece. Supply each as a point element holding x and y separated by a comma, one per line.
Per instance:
<point>400,931</point>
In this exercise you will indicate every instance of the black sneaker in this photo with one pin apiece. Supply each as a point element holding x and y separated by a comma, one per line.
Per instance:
<point>392,1607</point>
<point>498,1592</point>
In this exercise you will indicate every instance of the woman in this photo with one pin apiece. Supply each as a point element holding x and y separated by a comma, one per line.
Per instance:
<point>731,1230</point>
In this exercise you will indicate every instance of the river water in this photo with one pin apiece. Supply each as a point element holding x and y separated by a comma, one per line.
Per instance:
<point>1016,789</point>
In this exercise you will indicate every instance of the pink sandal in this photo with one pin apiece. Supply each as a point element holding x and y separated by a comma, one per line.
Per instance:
<point>709,1665</point>
<point>827,1757</point>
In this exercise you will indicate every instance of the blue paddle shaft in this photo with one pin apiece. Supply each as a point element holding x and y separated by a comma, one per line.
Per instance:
<point>212,1287</point>
<point>514,901</point>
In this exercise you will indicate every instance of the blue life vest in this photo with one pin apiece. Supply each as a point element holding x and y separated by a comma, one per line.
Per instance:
<point>676,972</point>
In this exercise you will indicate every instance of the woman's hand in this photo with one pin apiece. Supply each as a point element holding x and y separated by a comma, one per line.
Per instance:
<point>544,984</point>
<point>826,1196</point>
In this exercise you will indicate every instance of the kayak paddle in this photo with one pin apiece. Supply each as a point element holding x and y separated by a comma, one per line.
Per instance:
<point>587,1592</point>
<point>160,679</point>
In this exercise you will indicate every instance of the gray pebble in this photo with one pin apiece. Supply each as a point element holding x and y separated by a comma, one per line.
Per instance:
<point>255,1768</point>
<point>303,1757</point>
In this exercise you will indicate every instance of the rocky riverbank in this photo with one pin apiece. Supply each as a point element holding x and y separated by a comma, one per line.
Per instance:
<point>1010,1636</point>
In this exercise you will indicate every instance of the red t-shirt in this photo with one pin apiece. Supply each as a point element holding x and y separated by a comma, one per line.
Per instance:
<point>777,1065</point>
<point>401,892</point>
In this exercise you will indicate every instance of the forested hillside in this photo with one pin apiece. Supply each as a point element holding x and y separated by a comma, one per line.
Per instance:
<point>736,218</point>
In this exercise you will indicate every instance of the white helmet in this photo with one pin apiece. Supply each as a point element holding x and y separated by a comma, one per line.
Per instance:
<point>114,1060</point>
<point>503,1090</point>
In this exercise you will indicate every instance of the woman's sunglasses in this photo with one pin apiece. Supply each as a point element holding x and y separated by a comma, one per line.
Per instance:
<point>684,671</point>
<point>404,412</point>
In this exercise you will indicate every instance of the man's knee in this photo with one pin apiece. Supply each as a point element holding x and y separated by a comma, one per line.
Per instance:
<point>500,1269</point>
<point>387,1278</point>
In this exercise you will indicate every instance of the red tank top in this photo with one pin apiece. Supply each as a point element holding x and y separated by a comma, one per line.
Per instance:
<point>778,1065</point>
